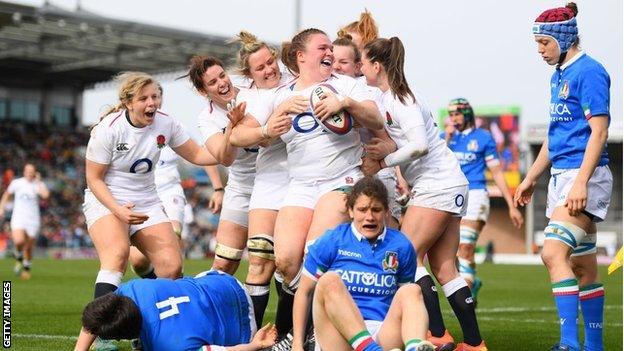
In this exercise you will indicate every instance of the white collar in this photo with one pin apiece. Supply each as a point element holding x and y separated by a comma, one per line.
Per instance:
<point>466,131</point>
<point>359,236</point>
<point>572,60</point>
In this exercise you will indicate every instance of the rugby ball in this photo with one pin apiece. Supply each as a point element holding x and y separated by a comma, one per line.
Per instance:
<point>340,123</point>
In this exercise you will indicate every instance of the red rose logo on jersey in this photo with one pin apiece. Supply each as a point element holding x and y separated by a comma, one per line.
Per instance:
<point>160,141</point>
<point>390,262</point>
<point>388,118</point>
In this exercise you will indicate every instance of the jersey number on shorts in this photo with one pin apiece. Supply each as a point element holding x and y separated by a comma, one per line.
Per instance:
<point>173,303</point>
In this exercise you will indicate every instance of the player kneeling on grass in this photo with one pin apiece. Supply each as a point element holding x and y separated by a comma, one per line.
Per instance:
<point>359,279</point>
<point>211,311</point>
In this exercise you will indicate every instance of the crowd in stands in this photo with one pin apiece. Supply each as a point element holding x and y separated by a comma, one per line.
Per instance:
<point>58,154</point>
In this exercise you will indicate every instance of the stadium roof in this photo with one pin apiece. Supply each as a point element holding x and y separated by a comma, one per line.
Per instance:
<point>40,45</point>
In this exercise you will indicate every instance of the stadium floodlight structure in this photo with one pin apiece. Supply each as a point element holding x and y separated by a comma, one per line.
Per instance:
<point>80,45</point>
<point>49,55</point>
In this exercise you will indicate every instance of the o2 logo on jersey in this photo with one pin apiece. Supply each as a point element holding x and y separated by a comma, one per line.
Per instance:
<point>305,122</point>
<point>142,166</point>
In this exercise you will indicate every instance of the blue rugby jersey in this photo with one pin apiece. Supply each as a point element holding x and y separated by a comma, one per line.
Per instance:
<point>579,91</point>
<point>474,148</point>
<point>372,273</point>
<point>187,313</point>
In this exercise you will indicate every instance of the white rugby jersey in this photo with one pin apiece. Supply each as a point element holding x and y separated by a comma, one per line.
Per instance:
<point>271,159</point>
<point>25,199</point>
<point>212,120</point>
<point>438,169</point>
<point>313,153</point>
<point>166,174</point>
<point>365,134</point>
<point>132,154</point>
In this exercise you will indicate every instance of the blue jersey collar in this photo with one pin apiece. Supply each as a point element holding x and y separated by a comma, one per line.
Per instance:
<point>572,60</point>
<point>361,237</point>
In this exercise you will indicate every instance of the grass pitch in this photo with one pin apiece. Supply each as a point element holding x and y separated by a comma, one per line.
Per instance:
<point>516,309</point>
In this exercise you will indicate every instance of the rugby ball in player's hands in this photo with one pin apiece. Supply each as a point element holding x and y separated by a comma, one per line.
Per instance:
<point>341,122</point>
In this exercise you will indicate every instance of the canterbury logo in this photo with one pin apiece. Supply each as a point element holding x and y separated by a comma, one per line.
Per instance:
<point>469,300</point>
<point>122,147</point>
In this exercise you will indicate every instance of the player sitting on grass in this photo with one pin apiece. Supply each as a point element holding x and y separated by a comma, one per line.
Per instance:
<point>198,313</point>
<point>359,278</point>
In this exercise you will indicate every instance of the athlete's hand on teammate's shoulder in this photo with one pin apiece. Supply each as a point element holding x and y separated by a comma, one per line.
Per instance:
<point>328,106</point>
<point>576,199</point>
<point>378,148</point>
<point>265,337</point>
<point>216,201</point>
<point>524,193</point>
<point>236,113</point>
<point>370,166</point>
<point>126,214</point>
<point>516,217</point>
<point>278,125</point>
<point>295,104</point>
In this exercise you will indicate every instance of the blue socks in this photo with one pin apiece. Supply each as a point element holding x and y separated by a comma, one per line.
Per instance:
<point>566,293</point>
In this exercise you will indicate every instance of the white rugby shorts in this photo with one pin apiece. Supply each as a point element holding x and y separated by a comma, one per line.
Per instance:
<point>93,210</point>
<point>269,191</point>
<point>598,191</point>
<point>478,205</point>
<point>453,200</point>
<point>306,193</point>
<point>236,204</point>
<point>30,226</point>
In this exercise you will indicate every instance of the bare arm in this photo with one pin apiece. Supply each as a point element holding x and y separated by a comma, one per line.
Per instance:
<point>42,189</point>
<point>524,192</point>
<point>365,112</point>
<point>499,179</point>
<point>85,339</point>
<point>95,173</point>
<point>3,201</point>
<point>196,154</point>
<point>247,133</point>
<point>301,306</point>
<point>216,200</point>
<point>577,197</point>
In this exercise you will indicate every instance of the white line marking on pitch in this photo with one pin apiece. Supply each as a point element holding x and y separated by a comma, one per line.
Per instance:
<point>480,311</point>
<point>531,309</point>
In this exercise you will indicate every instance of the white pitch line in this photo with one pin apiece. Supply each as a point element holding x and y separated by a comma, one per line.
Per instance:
<point>480,312</point>
<point>536,321</point>
<point>531,309</point>
<point>42,336</point>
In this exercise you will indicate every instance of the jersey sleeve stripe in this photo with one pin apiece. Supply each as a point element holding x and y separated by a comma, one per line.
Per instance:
<point>115,119</point>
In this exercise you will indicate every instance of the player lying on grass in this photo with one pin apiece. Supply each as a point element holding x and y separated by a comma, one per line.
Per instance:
<point>359,278</point>
<point>211,311</point>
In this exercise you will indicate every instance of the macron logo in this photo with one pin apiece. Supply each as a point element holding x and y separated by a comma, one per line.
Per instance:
<point>349,253</point>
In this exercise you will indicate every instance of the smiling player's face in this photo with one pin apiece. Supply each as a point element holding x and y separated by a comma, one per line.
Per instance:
<point>318,57</point>
<point>368,216</point>
<point>143,106</point>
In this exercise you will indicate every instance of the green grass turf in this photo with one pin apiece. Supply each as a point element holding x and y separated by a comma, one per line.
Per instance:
<point>516,309</point>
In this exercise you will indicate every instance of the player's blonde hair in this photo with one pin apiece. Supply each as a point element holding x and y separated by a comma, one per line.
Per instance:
<point>365,27</point>
<point>130,85</point>
<point>249,44</point>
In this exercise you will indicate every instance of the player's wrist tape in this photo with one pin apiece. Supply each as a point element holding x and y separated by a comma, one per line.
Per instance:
<point>219,189</point>
<point>265,131</point>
